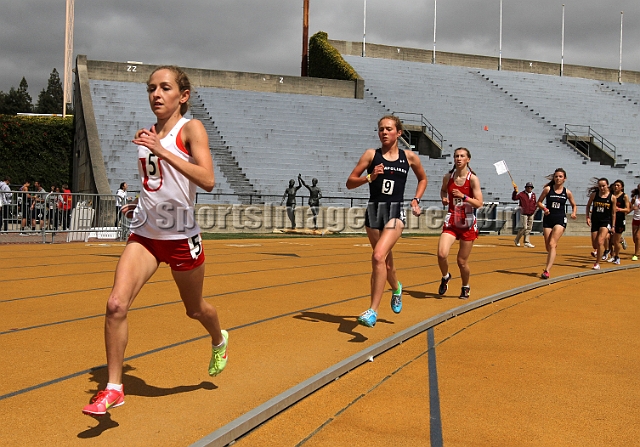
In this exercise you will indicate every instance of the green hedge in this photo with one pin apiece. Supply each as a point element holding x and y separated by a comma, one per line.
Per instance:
<point>326,62</point>
<point>36,148</point>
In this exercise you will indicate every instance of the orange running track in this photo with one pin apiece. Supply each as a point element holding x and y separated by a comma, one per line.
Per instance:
<point>556,365</point>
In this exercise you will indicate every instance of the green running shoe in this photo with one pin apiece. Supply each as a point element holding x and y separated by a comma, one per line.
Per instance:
<point>219,356</point>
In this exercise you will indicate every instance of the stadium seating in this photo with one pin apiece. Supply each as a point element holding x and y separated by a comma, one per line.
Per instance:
<point>121,108</point>
<point>261,140</point>
<point>471,111</point>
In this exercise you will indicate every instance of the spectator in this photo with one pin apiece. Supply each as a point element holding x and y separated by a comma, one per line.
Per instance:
<point>24,202</point>
<point>5,203</point>
<point>67,204</point>
<point>38,206</point>
<point>528,205</point>
<point>52,208</point>
<point>121,200</point>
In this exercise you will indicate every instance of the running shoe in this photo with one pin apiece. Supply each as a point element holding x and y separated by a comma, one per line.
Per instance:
<point>624,244</point>
<point>611,259</point>
<point>103,401</point>
<point>516,242</point>
<point>605,256</point>
<point>464,292</point>
<point>617,261</point>
<point>368,318</point>
<point>596,266</point>
<point>544,275</point>
<point>594,253</point>
<point>219,356</point>
<point>635,258</point>
<point>396,300</point>
<point>444,284</point>
<point>529,245</point>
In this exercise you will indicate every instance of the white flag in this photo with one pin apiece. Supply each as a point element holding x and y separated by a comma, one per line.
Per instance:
<point>501,167</point>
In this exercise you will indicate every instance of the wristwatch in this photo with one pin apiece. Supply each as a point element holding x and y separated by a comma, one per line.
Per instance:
<point>416,199</point>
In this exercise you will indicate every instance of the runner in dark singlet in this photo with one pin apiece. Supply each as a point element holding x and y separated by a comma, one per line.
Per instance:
<point>600,217</point>
<point>554,196</point>
<point>387,170</point>
<point>623,207</point>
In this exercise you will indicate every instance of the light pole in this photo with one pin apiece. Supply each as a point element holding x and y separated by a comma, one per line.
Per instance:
<point>562,50</point>
<point>620,68</point>
<point>500,57</point>
<point>305,39</point>
<point>68,57</point>
<point>364,29</point>
<point>435,11</point>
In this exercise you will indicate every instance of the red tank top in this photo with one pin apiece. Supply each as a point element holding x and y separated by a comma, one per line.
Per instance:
<point>460,211</point>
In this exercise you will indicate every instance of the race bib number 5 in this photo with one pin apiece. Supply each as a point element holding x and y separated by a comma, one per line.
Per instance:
<point>195,246</point>
<point>152,170</point>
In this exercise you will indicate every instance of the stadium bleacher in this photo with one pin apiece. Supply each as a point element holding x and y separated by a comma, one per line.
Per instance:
<point>462,102</point>
<point>261,140</point>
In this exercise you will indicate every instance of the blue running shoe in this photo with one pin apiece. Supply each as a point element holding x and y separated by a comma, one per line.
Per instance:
<point>396,299</point>
<point>368,318</point>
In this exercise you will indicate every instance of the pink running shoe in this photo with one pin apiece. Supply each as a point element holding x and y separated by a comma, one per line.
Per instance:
<point>545,275</point>
<point>103,401</point>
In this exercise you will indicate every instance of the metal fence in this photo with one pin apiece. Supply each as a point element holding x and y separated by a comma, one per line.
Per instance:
<point>67,217</point>
<point>76,217</point>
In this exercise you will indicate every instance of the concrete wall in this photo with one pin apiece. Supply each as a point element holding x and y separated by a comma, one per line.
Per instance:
<point>486,62</point>
<point>259,82</point>
<point>89,172</point>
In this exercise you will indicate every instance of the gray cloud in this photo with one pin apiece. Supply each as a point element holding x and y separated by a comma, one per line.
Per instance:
<point>266,37</point>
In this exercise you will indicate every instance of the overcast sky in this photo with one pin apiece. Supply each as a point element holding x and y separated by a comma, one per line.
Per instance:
<point>266,36</point>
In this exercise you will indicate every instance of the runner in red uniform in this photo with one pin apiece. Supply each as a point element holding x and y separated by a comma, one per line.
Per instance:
<point>173,159</point>
<point>461,192</point>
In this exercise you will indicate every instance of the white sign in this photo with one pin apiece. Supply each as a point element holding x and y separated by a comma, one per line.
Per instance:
<point>501,167</point>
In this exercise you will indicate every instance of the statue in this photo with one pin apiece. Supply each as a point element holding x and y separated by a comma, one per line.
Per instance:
<point>314,198</point>
<point>290,195</point>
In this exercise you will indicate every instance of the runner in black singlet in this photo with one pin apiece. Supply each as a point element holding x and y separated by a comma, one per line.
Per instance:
<point>623,207</point>
<point>601,215</point>
<point>554,196</point>
<point>387,170</point>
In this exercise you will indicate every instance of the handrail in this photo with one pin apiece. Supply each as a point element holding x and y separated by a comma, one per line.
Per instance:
<point>605,145</point>
<point>428,128</point>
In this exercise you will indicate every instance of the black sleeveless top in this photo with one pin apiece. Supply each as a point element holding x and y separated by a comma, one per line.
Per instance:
<point>388,187</point>
<point>556,202</point>
<point>601,209</point>
<point>620,215</point>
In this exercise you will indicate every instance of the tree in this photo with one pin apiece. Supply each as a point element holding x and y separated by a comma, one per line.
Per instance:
<point>16,101</point>
<point>50,100</point>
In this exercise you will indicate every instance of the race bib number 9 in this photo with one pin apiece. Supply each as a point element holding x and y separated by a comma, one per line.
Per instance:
<point>387,186</point>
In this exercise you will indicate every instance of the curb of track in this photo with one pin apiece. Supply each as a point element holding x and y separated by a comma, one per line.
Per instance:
<point>252,419</point>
